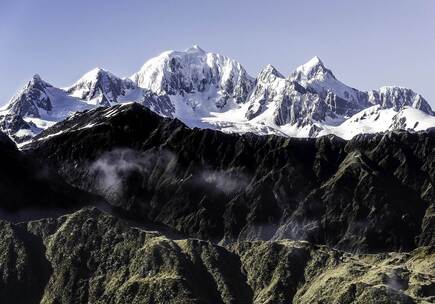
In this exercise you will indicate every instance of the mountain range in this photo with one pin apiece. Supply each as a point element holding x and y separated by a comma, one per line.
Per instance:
<point>190,215</point>
<point>193,182</point>
<point>208,90</point>
<point>112,201</point>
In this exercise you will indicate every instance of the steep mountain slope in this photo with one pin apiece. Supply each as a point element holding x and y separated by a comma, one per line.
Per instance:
<point>29,189</point>
<point>372,193</point>
<point>315,76</point>
<point>90,257</point>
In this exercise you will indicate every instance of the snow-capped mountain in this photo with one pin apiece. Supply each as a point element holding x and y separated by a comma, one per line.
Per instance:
<point>313,102</point>
<point>282,101</point>
<point>397,97</point>
<point>101,87</point>
<point>315,76</point>
<point>36,107</point>
<point>40,99</point>
<point>203,81</point>
<point>40,105</point>
<point>208,90</point>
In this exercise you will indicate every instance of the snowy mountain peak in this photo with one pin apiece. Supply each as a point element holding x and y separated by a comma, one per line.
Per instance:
<point>398,97</point>
<point>269,73</point>
<point>37,106</point>
<point>195,49</point>
<point>36,78</point>
<point>205,81</point>
<point>37,81</point>
<point>100,87</point>
<point>95,75</point>
<point>313,62</point>
<point>314,75</point>
<point>311,70</point>
<point>30,98</point>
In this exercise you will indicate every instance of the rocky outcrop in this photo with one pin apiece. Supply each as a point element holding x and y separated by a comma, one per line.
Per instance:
<point>91,257</point>
<point>18,129</point>
<point>373,193</point>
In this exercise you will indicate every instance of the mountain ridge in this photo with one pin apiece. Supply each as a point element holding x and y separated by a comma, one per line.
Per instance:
<point>208,90</point>
<point>230,187</point>
<point>119,263</point>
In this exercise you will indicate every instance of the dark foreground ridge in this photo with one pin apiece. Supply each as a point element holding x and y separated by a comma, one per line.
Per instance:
<point>30,189</point>
<point>91,257</point>
<point>374,193</point>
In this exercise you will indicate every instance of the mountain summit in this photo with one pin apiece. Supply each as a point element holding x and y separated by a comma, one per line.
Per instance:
<point>209,90</point>
<point>204,81</point>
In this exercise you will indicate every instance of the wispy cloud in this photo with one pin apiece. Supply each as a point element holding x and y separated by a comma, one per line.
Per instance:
<point>112,169</point>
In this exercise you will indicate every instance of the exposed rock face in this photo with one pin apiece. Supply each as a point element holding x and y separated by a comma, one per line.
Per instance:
<point>315,76</point>
<point>29,102</point>
<point>17,128</point>
<point>287,102</point>
<point>314,98</point>
<point>31,98</point>
<point>397,98</point>
<point>90,257</point>
<point>373,193</point>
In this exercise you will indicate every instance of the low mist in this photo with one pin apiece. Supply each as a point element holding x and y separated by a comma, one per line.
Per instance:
<point>113,168</point>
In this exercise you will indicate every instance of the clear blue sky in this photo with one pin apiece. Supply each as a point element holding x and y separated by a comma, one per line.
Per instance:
<point>366,43</point>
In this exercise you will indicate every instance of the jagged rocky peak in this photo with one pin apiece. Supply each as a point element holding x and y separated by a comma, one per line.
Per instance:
<point>269,73</point>
<point>33,96</point>
<point>216,77</point>
<point>398,97</point>
<point>37,81</point>
<point>314,75</point>
<point>101,87</point>
<point>283,100</point>
<point>312,69</point>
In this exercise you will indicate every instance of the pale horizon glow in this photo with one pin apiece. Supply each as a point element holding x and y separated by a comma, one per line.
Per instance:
<point>367,44</point>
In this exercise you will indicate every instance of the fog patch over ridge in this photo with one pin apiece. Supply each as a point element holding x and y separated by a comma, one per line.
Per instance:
<point>227,181</point>
<point>113,169</point>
